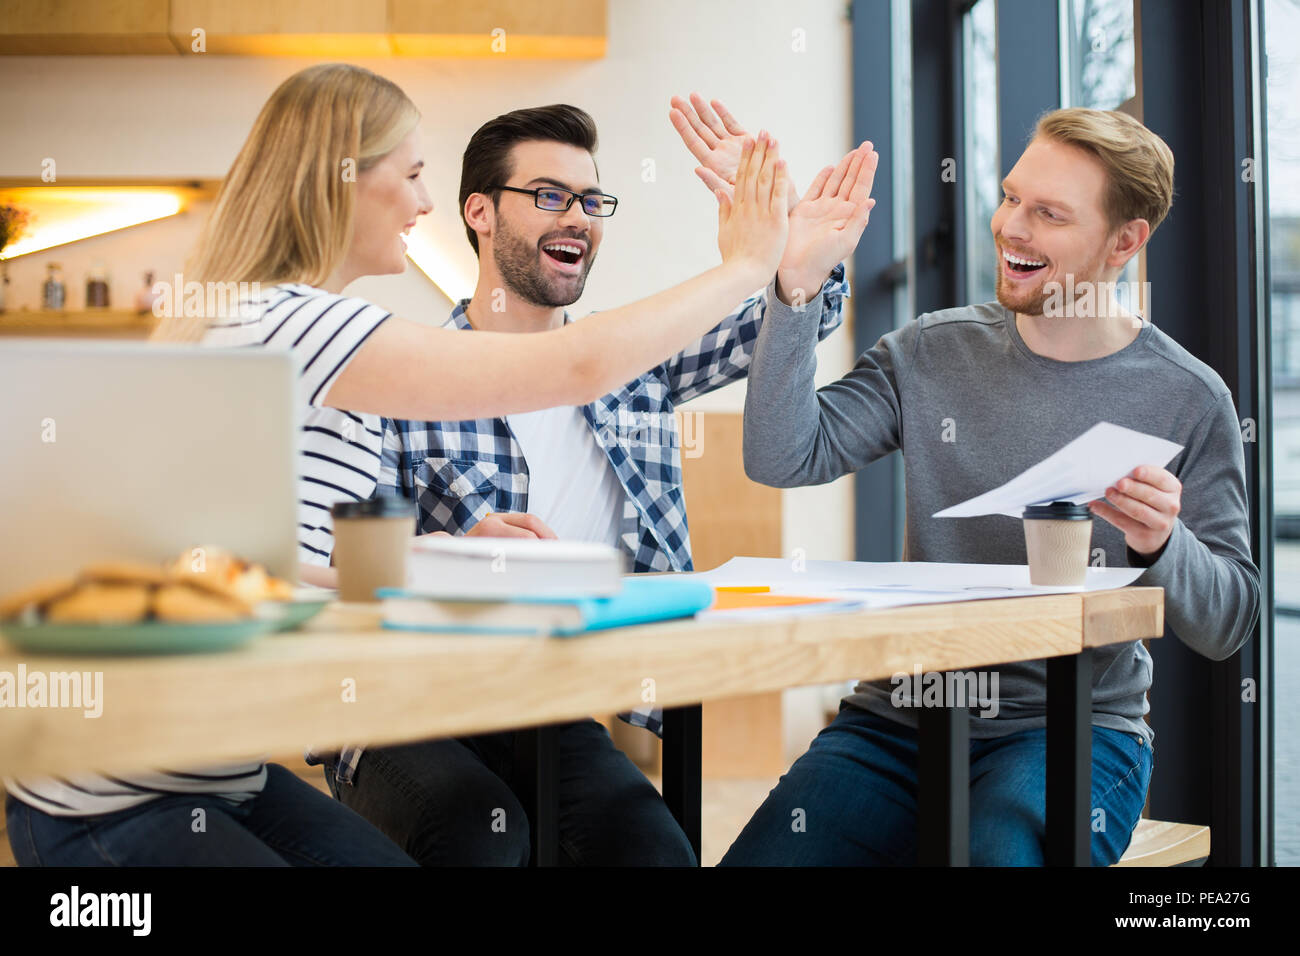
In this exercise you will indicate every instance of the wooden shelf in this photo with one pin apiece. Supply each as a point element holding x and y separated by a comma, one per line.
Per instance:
<point>332,29</point>
<point>38,27</point>
<point>191,188</point>
<point>91,323</point>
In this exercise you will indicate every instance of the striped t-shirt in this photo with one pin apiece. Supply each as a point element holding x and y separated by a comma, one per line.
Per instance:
<point>338,461</point>
<point>338,451</point>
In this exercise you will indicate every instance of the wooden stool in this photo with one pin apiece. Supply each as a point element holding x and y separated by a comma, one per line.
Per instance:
<point>1157,843</point>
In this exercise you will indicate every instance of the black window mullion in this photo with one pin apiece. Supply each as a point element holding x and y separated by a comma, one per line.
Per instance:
<point>1199,95</point>
<point>1029,72</point>
<point>875,274</point>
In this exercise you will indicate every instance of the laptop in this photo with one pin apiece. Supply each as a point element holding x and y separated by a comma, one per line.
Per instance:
<point>137,451</point>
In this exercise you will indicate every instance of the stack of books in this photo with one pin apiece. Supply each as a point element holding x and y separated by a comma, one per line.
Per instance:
<point>531,586</point>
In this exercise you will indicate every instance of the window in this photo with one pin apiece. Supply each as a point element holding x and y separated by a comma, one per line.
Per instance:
<point>1097,53</point>
<point>1281,24</point>
<point>983,173</point>
<point>1097,72</point>
<point>900,135</point>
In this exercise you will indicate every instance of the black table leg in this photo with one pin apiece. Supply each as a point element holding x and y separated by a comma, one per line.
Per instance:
<point>943,781</point>
<point>536,757</point>
<point>683,739</point>
<point>1069,759</point>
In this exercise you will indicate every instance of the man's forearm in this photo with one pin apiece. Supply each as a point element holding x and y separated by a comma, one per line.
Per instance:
<point>1211,600</point>
<point>1212,591</point>
<point>797,434</point>
<point>781,414</point>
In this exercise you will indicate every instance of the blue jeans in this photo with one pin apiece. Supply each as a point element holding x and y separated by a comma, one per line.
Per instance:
<point>289,824</point>
<point>851,799</point>
<point>453,802</point>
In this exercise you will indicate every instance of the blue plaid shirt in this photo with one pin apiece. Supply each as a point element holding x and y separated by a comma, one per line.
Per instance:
<point>459,472</point>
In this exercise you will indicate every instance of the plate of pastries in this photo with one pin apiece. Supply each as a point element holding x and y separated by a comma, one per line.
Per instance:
<point>205,599</point>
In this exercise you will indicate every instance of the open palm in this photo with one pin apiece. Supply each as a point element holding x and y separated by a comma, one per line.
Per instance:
<point>826,224</point>
<point>822,230</point>
<point>713,136</point>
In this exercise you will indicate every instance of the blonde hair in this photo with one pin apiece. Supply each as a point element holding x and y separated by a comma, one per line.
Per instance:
<point>1139,164</point>
<point>285,210</point>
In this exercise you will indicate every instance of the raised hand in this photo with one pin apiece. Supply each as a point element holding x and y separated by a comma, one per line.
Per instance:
<point>826,224</point>
<point>752,217</point>
<point>713,136</point>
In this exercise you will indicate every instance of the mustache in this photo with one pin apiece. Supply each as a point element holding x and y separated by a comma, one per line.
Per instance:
<point>585,236</point>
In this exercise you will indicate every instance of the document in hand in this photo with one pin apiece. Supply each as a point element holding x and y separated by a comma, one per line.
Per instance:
<point>1079,472</point>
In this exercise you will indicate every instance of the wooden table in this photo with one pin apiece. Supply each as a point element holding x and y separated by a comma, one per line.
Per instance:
<point>344,680</point>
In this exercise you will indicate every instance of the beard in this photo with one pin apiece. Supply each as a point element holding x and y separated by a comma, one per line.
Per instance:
<point>1026,299</point>
<point>520,264</point>
<point>1020,299</point>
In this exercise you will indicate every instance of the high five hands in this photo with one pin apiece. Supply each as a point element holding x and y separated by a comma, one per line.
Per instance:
<point>825,224</point>
<point>714,138</point>
<point>752,223</point>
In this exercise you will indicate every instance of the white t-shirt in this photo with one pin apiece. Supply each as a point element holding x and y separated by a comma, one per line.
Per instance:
<point>571,485</point>
<point>338,461</point>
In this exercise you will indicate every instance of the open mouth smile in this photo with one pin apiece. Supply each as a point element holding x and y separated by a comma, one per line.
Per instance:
<point>1018,267</point>
<point>566,254</point>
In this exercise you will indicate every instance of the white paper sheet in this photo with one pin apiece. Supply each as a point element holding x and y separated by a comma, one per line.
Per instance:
<point>894,584</point>
<point>1079,472</point>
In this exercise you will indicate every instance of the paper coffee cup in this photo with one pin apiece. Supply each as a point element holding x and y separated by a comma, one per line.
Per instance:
<point>1057,538</point>
<point>371,539</point>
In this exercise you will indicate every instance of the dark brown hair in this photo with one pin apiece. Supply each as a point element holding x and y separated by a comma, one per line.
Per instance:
<point>486,161</point>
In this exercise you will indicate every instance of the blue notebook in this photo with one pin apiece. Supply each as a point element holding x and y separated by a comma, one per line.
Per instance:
<point>643,598</point>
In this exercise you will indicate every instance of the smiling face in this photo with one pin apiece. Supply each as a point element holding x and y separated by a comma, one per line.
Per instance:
<point>543,256</point>
<point>389,198</point>
<point>1052,224</point>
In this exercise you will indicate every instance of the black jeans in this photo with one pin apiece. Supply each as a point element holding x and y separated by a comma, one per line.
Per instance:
<point>455,802</point>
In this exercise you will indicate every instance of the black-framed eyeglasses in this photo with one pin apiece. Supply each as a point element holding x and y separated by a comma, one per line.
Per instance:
<point>558,199</point>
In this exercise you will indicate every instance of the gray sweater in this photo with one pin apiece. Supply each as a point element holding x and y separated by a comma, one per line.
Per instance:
<point>970,406</point>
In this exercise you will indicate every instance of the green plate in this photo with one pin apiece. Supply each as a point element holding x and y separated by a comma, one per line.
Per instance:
<point>150,637</point>
<point>287,615</point>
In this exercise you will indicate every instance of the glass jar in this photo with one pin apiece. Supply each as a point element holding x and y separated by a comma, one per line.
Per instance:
<point>53,294</point>
<point>97,287</point>
<point>146,296</point>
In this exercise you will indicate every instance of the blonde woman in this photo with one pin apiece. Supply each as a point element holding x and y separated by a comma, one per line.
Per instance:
<point>318,196</point>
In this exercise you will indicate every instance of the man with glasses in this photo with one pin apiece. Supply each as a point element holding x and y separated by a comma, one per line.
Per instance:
<point>609,471</point>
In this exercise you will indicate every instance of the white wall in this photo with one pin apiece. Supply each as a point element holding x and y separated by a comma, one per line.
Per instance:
<point>167,117</point>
